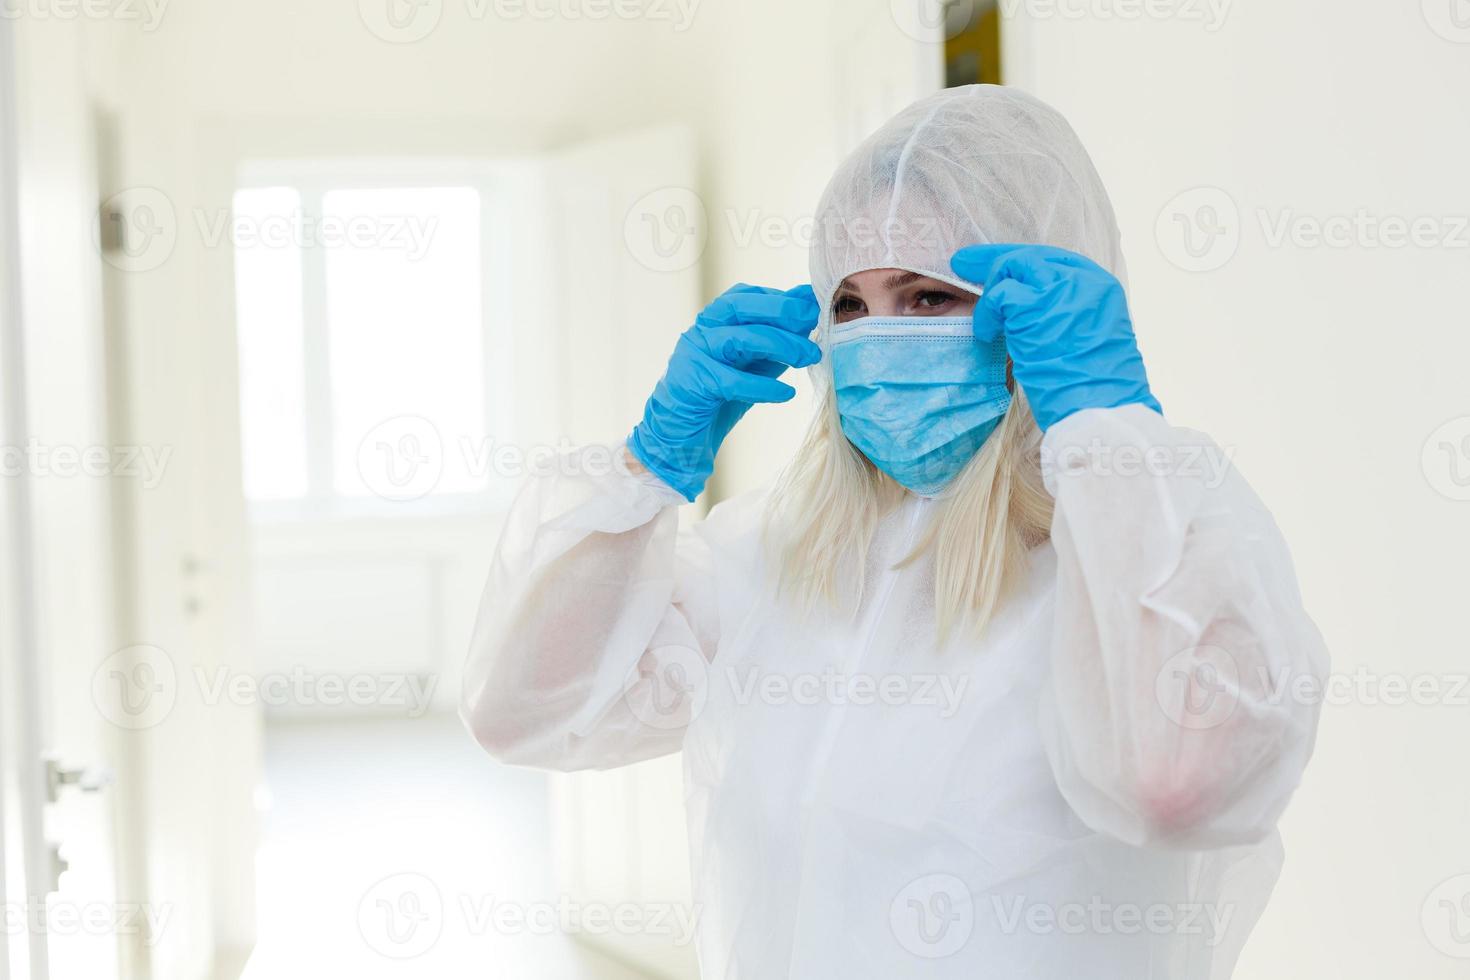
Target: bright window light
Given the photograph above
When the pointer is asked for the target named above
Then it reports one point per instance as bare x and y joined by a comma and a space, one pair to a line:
361, 337
268, 316
404, 327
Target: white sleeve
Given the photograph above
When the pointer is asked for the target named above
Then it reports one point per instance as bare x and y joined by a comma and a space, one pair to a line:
1186, 677
595, 606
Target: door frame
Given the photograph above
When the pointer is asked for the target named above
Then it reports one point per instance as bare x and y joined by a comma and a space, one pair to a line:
25, 853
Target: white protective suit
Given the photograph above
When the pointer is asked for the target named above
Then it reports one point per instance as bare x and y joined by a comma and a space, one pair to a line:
1090, 790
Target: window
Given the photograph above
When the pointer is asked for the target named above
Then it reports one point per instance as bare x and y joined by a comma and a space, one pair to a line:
271, 339
363, 337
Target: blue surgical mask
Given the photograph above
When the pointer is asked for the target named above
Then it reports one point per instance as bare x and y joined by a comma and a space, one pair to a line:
918, 395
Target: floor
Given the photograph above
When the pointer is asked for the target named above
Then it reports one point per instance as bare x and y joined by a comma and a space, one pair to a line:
397, 849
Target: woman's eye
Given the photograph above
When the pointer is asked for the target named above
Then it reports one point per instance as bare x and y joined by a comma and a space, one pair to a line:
934, 297
847, 304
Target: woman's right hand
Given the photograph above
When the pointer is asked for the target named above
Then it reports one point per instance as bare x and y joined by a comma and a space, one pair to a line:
726, 362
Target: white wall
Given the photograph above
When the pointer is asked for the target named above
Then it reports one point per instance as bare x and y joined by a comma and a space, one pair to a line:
1327, 369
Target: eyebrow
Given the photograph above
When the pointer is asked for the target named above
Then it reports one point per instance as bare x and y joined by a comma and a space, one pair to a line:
896, 281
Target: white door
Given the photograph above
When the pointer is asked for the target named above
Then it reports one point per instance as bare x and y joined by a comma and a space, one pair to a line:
22, 855
56, 595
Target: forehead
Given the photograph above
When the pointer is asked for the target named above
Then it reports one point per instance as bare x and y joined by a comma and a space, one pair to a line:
880, 279
875, 281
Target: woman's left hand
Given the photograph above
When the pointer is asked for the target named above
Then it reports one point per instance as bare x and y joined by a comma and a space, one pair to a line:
1066, 324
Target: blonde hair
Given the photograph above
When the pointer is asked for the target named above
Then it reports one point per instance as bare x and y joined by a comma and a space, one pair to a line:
827, 504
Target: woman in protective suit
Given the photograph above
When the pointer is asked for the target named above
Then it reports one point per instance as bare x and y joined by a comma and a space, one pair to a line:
997, 679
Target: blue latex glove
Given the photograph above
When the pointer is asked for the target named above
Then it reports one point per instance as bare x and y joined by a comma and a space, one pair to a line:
1066, 324
726, 362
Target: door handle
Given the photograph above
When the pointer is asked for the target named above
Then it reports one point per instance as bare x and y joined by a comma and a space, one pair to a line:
88, 780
